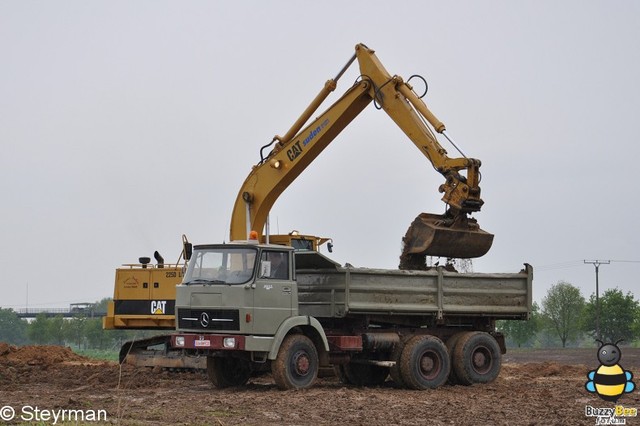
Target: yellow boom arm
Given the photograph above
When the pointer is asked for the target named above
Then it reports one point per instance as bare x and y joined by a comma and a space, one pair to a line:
293, 152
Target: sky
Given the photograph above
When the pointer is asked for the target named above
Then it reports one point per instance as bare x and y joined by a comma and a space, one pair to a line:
124, 125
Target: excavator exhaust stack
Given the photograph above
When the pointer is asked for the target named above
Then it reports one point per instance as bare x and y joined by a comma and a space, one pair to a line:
442, 236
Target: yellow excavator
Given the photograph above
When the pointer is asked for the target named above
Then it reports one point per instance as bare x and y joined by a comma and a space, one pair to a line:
453, 234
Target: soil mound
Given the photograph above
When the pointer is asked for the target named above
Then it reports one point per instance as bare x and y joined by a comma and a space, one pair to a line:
37, 355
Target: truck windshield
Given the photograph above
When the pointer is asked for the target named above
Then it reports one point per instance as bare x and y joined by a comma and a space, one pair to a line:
221, 266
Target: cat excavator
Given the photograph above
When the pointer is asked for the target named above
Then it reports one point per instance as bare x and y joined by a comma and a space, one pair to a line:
453, 234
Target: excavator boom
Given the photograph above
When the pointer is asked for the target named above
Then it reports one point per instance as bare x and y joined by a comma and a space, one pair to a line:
451, 235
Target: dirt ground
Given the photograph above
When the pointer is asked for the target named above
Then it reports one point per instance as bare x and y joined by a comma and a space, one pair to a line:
541, 387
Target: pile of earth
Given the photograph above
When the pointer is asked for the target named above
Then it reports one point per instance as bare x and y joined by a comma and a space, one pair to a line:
37, 355
60, 365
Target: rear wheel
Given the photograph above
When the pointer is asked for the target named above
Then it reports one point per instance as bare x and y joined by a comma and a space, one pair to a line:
476, 358
226, 372
424, 363
296, 366
451, 346
394, 371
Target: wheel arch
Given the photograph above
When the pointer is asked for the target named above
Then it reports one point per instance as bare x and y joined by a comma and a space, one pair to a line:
310, 327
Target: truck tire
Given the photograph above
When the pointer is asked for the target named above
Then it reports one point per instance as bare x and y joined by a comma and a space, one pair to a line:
365, 374
476, 358
451, 347
226, 372
394, 371
424, 363
296, 365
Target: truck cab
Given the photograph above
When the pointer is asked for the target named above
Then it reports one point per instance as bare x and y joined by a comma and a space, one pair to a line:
237, 288
237, 305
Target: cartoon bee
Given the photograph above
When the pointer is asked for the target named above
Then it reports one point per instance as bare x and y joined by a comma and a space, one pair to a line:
610, 380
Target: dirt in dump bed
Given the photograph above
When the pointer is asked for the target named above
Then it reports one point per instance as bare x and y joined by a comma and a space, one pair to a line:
542, 387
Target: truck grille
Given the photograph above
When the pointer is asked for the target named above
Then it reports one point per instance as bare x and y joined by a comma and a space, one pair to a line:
209, 319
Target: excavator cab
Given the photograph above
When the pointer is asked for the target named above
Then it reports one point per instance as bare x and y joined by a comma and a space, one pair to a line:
298, 241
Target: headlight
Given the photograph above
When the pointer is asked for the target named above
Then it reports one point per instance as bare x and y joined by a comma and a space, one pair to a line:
229, 342
180, 341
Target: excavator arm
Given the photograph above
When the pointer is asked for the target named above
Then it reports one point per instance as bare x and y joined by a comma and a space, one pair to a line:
453, 234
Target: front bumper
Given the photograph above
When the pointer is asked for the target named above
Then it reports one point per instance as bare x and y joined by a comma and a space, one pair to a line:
228, 342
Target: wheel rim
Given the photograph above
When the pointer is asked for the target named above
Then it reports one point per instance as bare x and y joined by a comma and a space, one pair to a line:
301, 363
481, 360
430, 365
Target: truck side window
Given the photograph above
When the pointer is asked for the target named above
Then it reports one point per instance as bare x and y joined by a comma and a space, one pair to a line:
275, 265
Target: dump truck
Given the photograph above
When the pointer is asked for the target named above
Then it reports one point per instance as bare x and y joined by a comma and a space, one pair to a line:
247, 307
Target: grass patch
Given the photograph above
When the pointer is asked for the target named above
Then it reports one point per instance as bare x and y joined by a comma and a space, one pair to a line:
99, 354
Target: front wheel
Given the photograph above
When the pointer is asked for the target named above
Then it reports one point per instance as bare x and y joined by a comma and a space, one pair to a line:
296, 366
226, 372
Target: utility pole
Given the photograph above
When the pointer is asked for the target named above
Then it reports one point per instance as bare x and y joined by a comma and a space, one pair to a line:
597, 264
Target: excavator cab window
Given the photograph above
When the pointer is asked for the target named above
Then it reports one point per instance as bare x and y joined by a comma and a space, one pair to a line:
301, 244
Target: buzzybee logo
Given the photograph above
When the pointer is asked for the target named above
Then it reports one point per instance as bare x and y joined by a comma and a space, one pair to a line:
609, 381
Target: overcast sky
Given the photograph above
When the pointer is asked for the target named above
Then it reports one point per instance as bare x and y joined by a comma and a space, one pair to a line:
124, 125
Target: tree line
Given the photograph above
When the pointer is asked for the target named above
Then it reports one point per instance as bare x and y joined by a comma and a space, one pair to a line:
566, 318
80, 332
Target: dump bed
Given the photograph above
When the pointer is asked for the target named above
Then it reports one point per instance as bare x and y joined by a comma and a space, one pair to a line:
328, 290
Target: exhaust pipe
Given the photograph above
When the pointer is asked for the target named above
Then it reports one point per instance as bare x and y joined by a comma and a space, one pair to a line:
158, 259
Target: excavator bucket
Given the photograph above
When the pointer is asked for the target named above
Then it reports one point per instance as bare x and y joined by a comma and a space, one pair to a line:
431, 235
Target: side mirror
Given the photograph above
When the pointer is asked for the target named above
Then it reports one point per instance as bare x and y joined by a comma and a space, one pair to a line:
187, 248
187, 251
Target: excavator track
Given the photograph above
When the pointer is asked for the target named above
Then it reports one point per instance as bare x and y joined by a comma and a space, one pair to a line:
442, 236
155, 352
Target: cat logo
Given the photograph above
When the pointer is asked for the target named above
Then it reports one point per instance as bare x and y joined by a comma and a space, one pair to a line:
158, 307
294, 151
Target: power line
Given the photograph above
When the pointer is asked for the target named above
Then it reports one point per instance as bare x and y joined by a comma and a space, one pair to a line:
574, 263
560, 265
